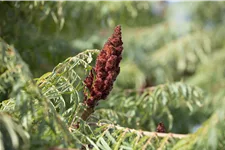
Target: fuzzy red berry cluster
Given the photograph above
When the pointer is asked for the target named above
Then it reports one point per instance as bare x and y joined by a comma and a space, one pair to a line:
161, 128
100, 80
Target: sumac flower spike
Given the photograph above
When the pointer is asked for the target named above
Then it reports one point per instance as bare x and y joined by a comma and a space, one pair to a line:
106, 70
161, 128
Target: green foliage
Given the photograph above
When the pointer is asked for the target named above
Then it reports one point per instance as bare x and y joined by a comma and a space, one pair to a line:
13, 135
150, 106
43, 25
167, 75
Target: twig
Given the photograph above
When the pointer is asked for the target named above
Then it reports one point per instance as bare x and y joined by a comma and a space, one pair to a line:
146, 133
87, 113
57, 148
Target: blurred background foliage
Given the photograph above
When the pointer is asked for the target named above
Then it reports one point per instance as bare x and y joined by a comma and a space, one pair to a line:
52, 26
164, 42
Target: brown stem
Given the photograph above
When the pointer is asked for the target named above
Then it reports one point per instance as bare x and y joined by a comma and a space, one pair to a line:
156, 134
57, 148
87, 112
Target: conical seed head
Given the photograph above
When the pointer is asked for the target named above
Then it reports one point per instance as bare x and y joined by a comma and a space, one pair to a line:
106, 69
